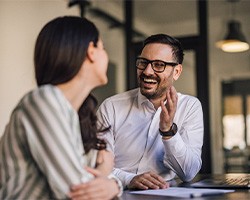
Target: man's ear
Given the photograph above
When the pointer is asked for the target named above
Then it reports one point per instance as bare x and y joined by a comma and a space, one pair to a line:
91, 52
177, 72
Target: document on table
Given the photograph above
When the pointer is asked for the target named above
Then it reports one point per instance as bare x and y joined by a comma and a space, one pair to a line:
183, 192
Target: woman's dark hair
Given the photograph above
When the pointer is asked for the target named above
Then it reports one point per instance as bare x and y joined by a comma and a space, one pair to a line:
88, 125
60, 50
177, 48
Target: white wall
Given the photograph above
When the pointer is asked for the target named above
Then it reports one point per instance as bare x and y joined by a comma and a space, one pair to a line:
20, 23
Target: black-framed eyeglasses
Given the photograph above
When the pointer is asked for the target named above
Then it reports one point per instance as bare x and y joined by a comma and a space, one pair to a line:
157, 65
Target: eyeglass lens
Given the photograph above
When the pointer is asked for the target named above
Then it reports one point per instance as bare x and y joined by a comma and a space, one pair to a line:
157, 65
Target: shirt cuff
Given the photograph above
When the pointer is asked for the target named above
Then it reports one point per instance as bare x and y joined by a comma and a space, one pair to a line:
174, 145
119, 183
124, 177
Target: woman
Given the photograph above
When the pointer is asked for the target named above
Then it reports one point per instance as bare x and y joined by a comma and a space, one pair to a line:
48, 146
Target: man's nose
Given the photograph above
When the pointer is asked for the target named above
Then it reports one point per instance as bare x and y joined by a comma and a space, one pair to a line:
148, 69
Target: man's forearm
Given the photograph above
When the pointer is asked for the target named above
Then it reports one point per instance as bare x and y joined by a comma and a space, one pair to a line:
124, 177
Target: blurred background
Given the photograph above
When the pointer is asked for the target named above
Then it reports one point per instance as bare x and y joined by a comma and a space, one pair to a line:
221, 80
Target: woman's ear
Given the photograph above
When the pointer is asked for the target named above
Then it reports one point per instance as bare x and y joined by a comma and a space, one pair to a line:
91, 52
177, 72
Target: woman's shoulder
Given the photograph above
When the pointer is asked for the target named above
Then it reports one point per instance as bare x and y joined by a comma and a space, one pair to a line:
39, 97
34, 95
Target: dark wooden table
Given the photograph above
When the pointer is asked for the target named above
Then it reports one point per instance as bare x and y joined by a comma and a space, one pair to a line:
239, 194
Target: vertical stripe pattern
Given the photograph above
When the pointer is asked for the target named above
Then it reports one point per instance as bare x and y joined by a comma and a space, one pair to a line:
41, 153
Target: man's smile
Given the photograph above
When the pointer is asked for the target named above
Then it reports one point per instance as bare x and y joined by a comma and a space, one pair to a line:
149, 80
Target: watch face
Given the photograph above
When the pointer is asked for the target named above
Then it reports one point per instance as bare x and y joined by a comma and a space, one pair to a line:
171, 132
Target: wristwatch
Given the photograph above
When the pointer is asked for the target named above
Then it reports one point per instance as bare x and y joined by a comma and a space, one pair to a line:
172, 131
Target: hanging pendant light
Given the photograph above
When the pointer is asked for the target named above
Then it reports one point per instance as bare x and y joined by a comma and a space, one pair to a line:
234, 40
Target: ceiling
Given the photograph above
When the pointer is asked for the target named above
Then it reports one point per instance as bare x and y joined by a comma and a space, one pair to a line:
179, 10
157, 14
169, 11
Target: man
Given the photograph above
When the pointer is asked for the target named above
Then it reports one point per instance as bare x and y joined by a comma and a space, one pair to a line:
156, 133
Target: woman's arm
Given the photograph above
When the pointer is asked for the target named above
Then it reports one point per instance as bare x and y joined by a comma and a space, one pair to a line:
53, 136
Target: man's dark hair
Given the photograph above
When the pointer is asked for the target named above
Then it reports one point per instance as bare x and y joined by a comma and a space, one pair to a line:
177, 48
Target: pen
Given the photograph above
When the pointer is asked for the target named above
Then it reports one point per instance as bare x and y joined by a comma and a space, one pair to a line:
194, 195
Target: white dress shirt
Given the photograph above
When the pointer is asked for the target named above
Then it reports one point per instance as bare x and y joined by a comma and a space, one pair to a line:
135, 140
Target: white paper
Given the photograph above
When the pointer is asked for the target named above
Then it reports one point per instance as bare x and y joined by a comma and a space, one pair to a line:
183, 192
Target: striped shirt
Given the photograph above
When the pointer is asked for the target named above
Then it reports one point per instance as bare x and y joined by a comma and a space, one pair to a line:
41, 152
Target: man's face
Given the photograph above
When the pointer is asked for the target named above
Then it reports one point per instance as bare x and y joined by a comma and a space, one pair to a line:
154, 85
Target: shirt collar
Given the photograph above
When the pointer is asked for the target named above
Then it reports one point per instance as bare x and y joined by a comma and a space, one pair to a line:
143, 100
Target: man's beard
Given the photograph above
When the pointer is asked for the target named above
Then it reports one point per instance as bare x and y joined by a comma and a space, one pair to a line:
157, 93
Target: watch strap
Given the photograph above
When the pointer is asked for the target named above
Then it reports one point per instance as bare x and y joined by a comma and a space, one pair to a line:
172, 131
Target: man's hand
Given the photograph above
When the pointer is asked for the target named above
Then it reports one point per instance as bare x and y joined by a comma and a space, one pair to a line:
148, 180
168, 110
